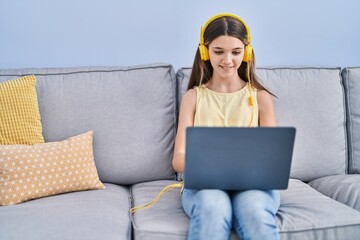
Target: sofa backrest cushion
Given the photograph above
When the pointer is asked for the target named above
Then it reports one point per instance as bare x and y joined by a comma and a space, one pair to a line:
131, 110
351, 78
312, 100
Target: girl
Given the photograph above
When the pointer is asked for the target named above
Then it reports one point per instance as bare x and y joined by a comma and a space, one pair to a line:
224, 91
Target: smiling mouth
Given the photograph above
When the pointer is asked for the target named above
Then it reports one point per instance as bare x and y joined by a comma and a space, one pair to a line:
226, 68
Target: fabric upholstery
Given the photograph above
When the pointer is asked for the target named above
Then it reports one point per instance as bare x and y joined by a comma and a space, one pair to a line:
304, 214
351, 79
19, 112
342, 188
165, 220
307, 214
86, 215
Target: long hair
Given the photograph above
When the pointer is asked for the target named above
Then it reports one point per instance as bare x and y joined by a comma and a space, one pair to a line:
224, 26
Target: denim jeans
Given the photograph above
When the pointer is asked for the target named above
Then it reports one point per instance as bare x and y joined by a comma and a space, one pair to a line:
213, 213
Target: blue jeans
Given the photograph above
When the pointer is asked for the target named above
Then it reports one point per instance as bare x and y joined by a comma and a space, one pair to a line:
213, 213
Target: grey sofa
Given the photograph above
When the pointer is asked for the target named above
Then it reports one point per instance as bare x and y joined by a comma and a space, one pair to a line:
133, 113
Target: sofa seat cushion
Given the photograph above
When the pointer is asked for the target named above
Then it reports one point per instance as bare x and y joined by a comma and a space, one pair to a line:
304, 214
308, 214
165, 220
79, 215
343, 188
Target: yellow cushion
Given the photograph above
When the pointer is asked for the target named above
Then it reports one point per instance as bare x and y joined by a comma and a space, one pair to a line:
19, 112
44, 169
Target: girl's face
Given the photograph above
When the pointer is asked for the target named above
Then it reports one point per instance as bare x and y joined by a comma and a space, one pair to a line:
226, 54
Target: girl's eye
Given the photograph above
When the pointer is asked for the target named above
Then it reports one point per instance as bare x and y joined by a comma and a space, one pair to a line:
218, 52
236, 53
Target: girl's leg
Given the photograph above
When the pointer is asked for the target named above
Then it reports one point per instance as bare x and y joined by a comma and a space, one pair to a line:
210, 213
254, 214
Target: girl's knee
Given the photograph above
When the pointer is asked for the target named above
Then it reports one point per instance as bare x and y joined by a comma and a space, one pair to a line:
256, 202
215, 202
255, 212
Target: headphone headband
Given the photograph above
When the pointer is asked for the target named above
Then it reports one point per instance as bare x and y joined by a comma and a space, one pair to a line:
204, 53
220, 15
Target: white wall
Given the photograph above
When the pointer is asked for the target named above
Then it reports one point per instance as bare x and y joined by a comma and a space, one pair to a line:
62, 33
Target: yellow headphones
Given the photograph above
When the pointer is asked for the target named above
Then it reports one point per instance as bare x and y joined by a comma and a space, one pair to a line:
204, 52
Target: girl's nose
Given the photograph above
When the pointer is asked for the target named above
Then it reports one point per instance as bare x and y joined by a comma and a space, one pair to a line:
227, 59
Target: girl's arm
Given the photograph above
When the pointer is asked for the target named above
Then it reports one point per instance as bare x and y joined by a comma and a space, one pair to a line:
267, 116
186, 119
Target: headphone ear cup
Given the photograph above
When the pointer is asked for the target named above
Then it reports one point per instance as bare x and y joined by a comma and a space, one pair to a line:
247, 53
204, 53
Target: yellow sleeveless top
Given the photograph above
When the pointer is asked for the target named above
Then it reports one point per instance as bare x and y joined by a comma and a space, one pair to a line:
215, 109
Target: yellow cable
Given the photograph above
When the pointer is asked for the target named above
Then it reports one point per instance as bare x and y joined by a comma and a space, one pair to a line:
252, 116
162, 192
251, 99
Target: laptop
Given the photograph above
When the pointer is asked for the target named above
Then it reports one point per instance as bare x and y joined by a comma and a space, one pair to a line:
238, 158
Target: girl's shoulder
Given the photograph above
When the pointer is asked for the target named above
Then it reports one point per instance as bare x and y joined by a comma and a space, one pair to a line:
264, 98
188, 102
190, 94
263, 95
